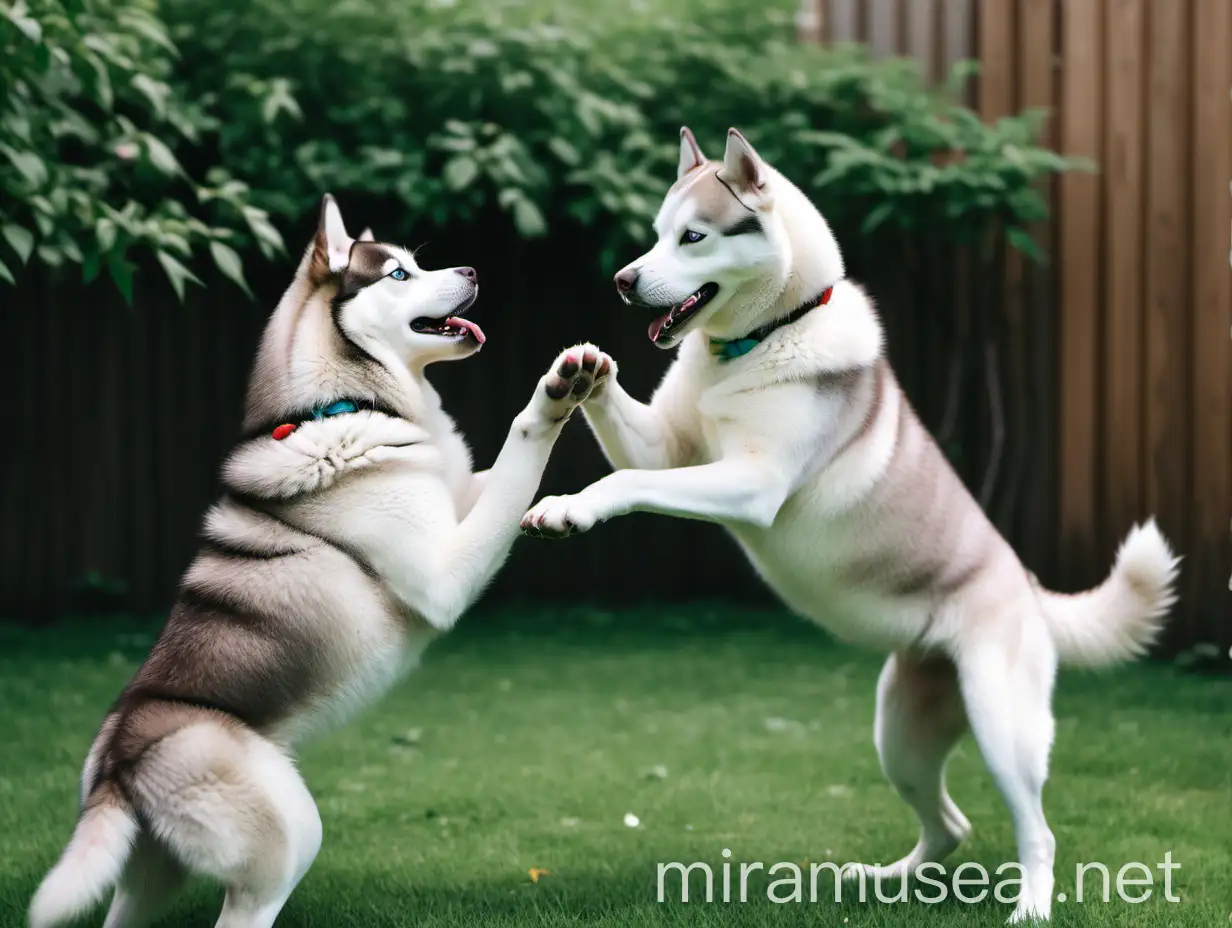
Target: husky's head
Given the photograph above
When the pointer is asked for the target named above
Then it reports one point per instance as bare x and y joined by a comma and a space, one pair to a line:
385, 304
361, 319
736, 242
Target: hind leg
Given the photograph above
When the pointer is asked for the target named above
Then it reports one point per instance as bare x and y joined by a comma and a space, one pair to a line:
231, 806
919, 718
1007, 689
150, 882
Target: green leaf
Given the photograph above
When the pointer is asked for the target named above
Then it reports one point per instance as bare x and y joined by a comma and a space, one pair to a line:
1021, 239
279, 100
460, 172
28, 164
149, 27
90, 266
28, 25
155, 91
268, 238
20, 240
564, 150
122, 273
528, 219
177, 273
102, 84
160, 156
876, 216
105, 231
230, 264
6, 274
70, 249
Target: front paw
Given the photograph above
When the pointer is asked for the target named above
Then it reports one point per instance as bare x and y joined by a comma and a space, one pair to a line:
575, 376
558, 517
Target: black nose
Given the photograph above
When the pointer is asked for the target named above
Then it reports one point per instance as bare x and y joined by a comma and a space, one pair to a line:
469, 273
626, 280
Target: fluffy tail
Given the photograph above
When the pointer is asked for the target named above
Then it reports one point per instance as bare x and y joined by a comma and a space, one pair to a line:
1119, 619
92, 862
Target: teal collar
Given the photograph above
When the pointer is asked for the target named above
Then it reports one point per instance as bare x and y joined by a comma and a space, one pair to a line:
336, 408
327, 411
729, 349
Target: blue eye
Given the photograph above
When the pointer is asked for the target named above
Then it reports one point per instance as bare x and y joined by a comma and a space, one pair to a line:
399, 274
691, 238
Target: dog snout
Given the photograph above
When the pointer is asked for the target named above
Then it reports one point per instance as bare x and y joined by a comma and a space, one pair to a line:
469, 273
626, 280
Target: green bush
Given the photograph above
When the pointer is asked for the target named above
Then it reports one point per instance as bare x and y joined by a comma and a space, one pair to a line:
92, 125
552, 114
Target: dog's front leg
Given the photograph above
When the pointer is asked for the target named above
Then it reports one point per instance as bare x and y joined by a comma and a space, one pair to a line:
470, 556
633, 434
743, 490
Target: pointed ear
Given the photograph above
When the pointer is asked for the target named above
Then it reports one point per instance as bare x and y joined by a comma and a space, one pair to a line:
366, 235
331, 249
743, 168
690, 153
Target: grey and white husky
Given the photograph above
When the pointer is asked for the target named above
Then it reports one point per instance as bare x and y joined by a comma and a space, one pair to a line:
781, 420
352, 533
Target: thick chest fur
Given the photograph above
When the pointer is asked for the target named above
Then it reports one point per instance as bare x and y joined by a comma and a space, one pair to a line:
877, 532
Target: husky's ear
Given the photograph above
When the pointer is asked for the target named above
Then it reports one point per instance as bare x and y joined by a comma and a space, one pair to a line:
743, 168
366, 235
331, 249
690, 153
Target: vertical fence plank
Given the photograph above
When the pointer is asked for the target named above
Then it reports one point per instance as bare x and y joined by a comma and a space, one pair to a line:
883, 27
1037, 495
842, 20
811, 21
1124, 130
1210, 553
957, 33
996, 44
919, 20
1167, 268
1079, 230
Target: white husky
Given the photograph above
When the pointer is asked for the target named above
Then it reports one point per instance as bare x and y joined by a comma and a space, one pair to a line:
352, 532
782, 421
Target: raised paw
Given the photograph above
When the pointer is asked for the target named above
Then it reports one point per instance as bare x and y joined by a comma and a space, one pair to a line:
577, 374
558, 517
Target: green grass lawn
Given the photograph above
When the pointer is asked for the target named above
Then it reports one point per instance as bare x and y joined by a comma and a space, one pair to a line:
525, 739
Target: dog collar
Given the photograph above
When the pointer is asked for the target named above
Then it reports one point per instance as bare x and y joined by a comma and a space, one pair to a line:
336, 408
727, 349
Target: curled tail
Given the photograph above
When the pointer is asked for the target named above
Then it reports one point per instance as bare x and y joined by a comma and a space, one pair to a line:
92, 862
1119, 619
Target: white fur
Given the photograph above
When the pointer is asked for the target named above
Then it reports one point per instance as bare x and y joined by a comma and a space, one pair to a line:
374, 535
1118, 620
91, 865
338, 243
837, 494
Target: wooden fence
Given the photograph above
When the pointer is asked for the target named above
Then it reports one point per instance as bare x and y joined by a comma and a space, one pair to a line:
1121, 345
1137, 300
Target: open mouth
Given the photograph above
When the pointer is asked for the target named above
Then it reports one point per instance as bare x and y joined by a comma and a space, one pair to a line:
665, 326
452, 327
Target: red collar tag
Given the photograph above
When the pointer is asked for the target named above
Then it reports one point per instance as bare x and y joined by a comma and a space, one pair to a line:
284, 430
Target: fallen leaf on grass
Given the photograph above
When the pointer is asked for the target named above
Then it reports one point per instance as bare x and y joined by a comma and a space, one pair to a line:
536, 872
410, 738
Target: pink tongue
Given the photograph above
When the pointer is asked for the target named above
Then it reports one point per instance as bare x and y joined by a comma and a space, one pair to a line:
657, 326
458, 322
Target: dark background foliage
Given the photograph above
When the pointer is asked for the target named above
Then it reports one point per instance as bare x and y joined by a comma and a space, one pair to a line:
146, 149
